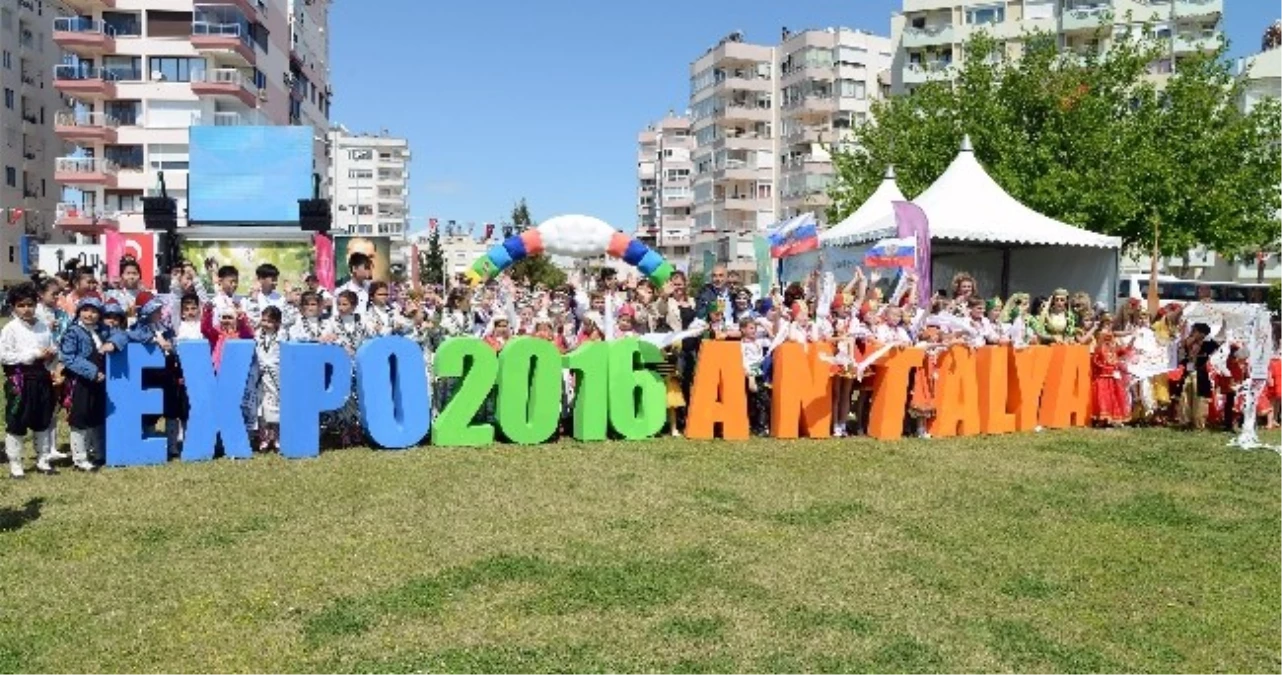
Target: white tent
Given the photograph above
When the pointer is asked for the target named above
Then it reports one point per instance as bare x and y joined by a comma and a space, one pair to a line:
879, 205
978, 228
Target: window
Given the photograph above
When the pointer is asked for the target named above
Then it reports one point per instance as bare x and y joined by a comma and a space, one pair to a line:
8, 60
260, 80
6, 18
986, 14
363, 209
176, 69
361, 154
10, 176
122, 24
42, 188
8, 98
124, 67
168, 156
367, 174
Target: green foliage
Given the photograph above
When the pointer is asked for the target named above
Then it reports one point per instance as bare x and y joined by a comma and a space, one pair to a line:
431, 263
537, 269
1090, 140
1275, 297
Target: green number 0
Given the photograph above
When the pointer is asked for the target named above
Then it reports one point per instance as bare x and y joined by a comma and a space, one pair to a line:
638, 397
529, 398
475, 362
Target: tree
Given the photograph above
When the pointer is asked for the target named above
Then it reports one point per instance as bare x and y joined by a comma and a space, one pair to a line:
535, 269
431, 263
1089, 140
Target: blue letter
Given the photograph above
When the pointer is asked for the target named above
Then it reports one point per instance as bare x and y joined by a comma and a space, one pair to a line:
127, 402
391, 386
216, 398
307, 390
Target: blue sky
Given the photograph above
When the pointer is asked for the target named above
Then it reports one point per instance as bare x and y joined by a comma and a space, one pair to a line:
543, 99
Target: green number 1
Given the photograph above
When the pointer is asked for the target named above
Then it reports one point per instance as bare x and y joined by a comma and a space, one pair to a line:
590, 365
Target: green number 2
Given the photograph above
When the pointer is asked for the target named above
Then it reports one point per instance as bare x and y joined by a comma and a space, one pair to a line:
478, 366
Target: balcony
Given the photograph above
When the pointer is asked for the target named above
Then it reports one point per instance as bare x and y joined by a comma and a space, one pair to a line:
223, 31
813, 105
929, 36
79, 219
85, 171
83, 36
745, 203
226, 83
1199, 8
749, 112
232, 119
736, 169
84, 81
86, 128
89, 6
919, 73
1197, 42
1086, 18
810, 135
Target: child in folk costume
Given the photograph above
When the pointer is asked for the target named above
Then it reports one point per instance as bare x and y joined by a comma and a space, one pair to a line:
754, 348
669, 369
844, 330
150, 329
231, 324
52, 315
1110, 405
26, 349
267, 358
624, 322
921, 404
348, 332
381, 318
83, 352
310, 326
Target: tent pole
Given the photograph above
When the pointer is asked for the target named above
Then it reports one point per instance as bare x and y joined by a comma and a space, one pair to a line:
1005, 284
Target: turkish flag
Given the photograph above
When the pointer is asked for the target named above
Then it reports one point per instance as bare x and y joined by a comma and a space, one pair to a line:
14, 216
141, 246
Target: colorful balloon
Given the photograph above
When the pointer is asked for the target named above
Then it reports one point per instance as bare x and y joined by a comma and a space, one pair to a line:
575, 236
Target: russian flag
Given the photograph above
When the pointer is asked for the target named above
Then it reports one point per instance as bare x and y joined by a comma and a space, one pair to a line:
892, 253
793, 236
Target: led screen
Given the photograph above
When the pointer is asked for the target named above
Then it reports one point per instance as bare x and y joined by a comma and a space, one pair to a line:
248, 174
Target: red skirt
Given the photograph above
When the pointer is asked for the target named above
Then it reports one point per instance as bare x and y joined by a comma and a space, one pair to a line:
1109, 402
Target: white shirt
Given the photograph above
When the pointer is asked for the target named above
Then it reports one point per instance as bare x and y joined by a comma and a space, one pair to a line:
222, 301
307, 330
361, 291
189, 330
24, 343
258, 301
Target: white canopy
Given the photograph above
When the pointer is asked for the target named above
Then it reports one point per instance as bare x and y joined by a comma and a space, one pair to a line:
966, 204
879, 205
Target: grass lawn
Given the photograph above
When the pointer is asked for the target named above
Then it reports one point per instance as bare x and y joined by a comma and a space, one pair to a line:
1073, 551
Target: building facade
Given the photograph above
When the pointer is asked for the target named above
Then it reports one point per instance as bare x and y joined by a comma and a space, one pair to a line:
929, 34
137, 74
665, 196
28, 195
369, 184
763, 118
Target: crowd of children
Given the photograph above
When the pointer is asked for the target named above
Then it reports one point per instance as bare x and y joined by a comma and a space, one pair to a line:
1145, 369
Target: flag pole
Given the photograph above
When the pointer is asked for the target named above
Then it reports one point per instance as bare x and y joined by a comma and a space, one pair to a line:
1153, 302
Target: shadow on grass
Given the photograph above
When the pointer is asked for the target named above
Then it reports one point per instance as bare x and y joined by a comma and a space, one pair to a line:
1020, 645
12, 519
561, 589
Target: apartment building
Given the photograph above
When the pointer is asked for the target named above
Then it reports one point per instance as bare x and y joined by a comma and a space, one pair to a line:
369, 184
928, 34
28, 195
762, 118
665, 196
137, 74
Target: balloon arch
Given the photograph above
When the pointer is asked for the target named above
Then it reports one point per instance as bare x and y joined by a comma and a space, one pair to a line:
575, 236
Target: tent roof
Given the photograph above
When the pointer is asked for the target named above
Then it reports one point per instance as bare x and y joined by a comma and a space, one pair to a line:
877, 206
966, 204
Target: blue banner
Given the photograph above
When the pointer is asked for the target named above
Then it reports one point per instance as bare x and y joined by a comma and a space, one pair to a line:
28, 253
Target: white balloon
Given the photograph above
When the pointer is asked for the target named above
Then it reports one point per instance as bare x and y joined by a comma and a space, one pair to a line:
575, 235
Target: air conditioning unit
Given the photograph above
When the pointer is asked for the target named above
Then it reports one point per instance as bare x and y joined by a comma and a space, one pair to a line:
262, 94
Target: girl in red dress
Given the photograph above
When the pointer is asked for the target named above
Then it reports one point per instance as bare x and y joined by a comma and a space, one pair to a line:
1109, 403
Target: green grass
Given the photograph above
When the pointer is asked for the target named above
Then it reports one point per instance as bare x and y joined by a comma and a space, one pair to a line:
1078, 551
